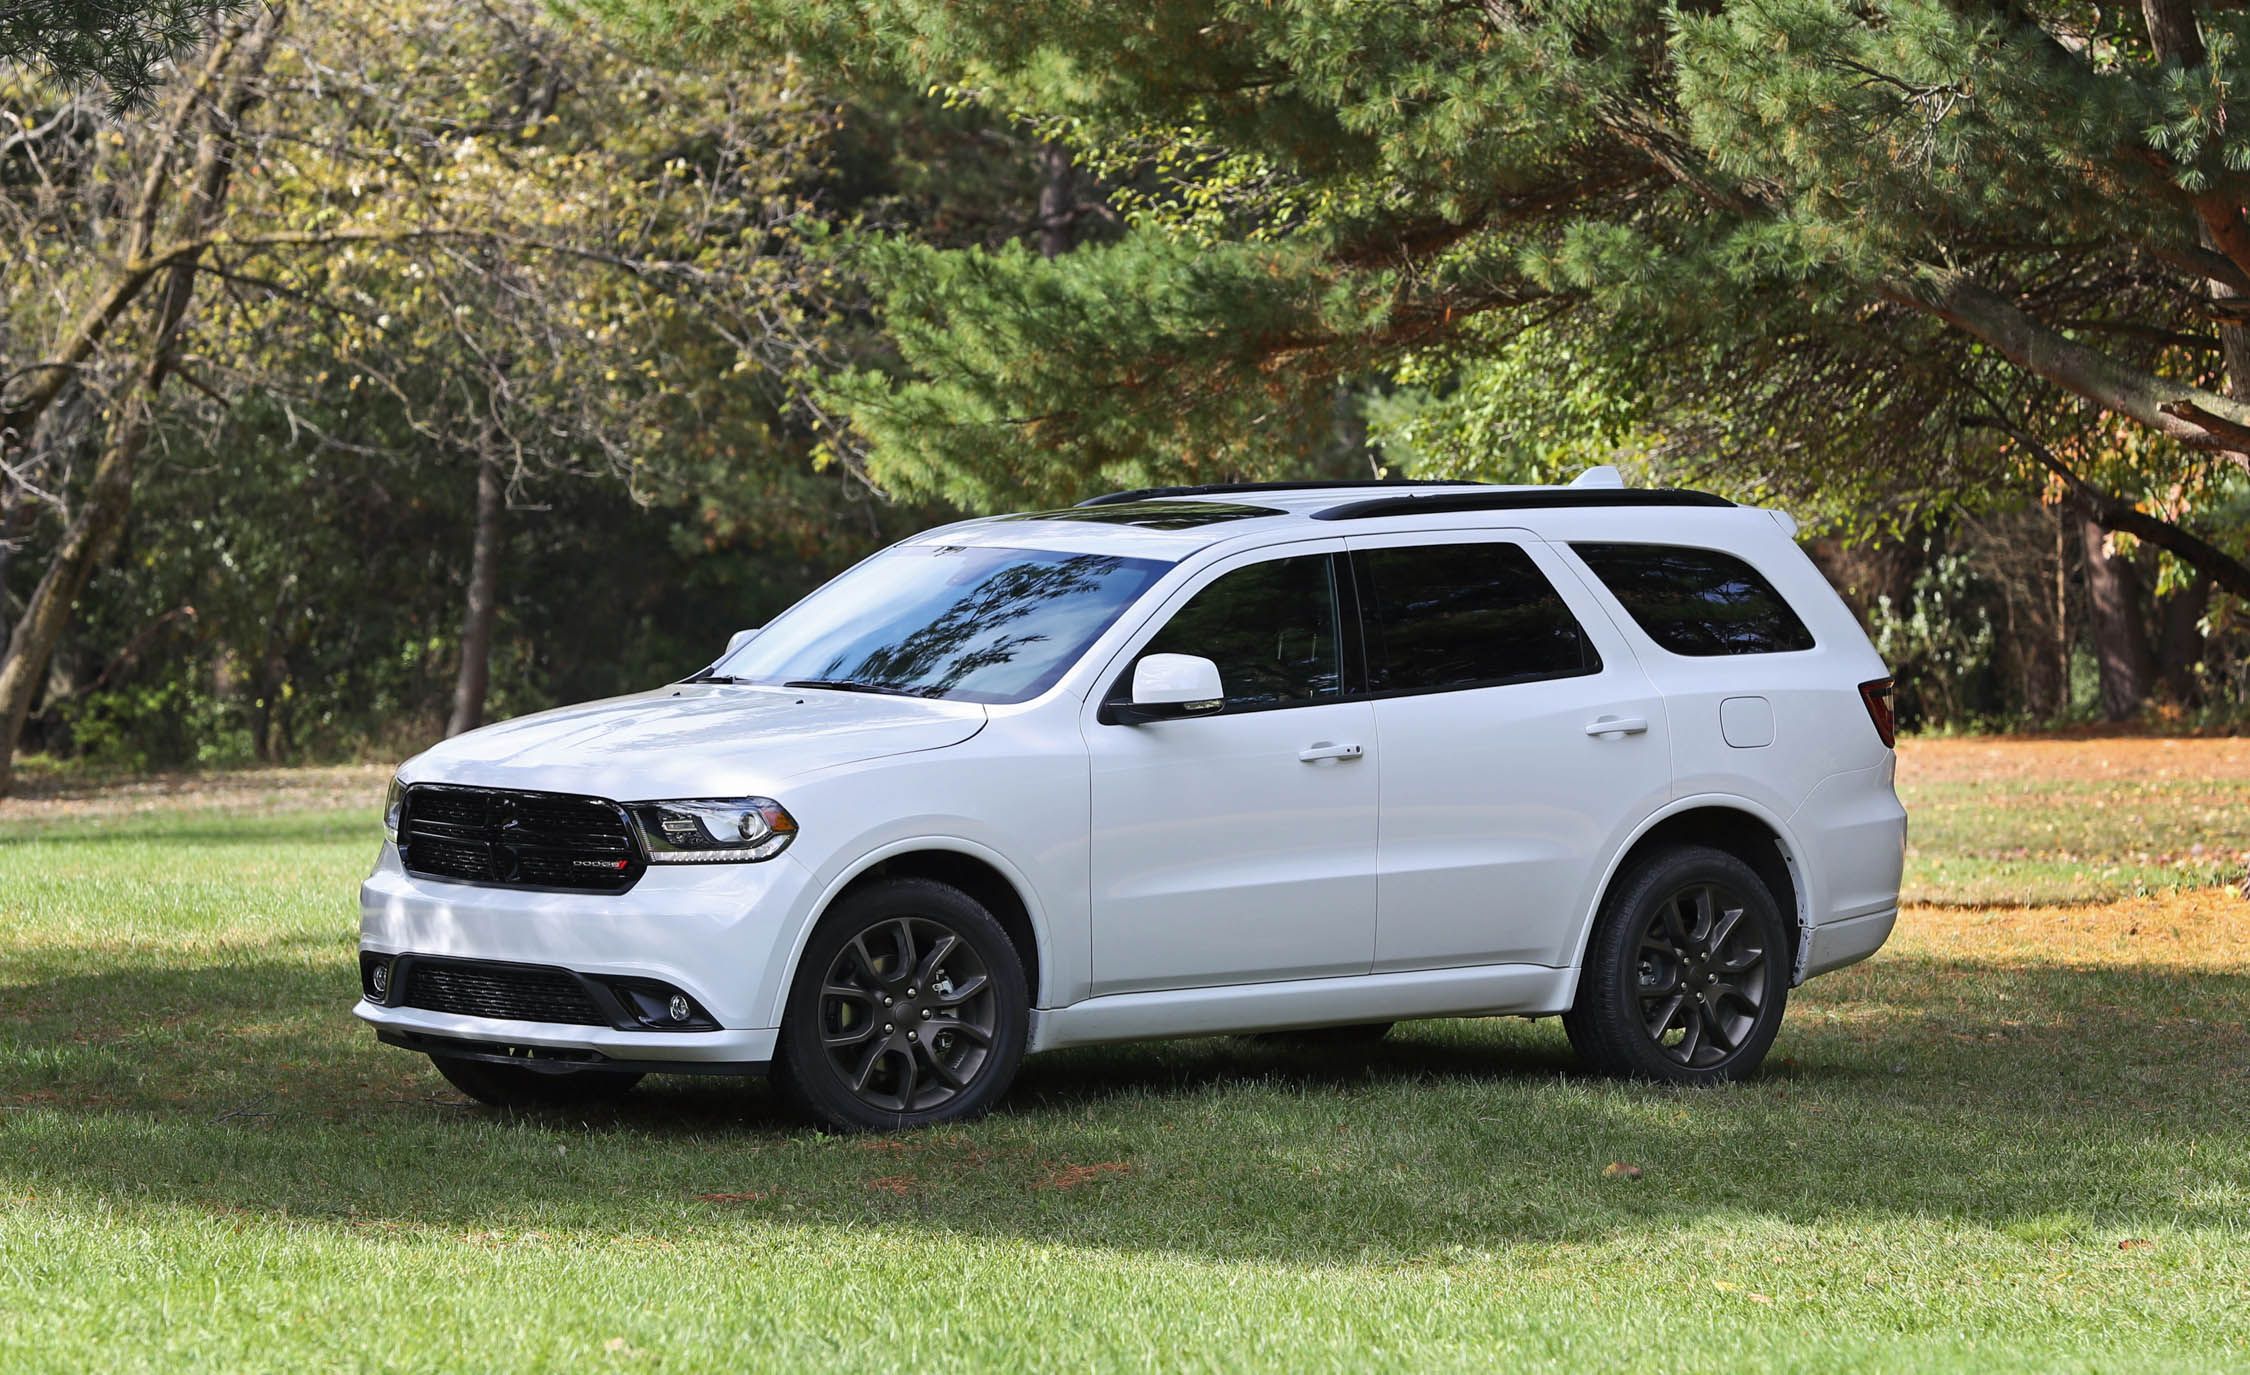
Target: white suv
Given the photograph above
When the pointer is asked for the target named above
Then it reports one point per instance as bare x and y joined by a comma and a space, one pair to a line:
1276, 757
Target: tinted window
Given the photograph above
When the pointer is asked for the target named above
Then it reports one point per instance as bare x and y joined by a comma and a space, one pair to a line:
1464, 615
1697, 601
1271, 629
977, 624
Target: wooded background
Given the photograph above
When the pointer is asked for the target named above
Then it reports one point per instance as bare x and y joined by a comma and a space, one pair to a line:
371, 370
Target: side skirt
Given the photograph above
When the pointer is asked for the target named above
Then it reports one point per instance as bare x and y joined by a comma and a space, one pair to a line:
1475, 991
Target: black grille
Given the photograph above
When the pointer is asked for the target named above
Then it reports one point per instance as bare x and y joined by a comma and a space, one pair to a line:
518, 839
514, 992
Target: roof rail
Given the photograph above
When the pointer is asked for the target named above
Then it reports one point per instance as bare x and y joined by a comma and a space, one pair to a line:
1535, 498
1230, 488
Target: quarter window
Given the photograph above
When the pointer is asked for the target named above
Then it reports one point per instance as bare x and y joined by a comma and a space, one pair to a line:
1697, 601
1272, 630
1464, 615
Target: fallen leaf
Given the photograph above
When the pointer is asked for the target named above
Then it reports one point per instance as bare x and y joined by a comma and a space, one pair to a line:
1618, 1169
2136, 1244
753, 1197
900, 1184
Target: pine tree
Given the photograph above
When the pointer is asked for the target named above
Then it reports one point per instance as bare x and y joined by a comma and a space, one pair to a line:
1848, 233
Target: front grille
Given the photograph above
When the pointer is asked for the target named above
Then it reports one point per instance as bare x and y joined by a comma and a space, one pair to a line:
518, 839
515, 993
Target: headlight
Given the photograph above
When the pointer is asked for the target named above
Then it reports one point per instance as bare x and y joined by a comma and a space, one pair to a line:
392, 802
714, 830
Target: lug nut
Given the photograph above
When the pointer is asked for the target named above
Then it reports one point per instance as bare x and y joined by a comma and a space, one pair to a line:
925, 1014
910, 993
886, 1000
888, 1028
911, 1036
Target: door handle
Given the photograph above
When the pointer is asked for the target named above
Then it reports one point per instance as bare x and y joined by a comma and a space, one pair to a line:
1617, 725
1313, 754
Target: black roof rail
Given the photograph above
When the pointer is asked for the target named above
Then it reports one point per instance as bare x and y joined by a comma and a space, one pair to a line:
1537, 498
1210, 489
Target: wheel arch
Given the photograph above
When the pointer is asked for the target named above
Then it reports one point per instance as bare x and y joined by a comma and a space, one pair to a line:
1736, 825
975, 869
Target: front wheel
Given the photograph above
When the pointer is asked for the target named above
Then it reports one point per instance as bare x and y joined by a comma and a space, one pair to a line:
512, 1086
909, 1008
1687, 973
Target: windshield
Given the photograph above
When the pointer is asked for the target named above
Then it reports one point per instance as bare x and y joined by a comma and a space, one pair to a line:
969, 623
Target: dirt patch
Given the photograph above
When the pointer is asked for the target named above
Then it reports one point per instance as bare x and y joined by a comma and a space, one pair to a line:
76, 797
1065, 1177
2205, 929
2054, 760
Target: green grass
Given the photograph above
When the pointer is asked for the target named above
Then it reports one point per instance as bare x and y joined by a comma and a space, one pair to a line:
2032, 841
2014, 1141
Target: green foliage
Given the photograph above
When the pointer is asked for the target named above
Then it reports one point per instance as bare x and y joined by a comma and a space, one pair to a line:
1939, 644
120, 46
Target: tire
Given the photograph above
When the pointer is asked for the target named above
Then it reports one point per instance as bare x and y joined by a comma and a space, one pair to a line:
909, 1008
1338, 1037
1687, 975
511, 1086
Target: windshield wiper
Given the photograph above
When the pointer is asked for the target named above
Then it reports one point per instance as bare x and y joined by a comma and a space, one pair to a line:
847, 685
713, 678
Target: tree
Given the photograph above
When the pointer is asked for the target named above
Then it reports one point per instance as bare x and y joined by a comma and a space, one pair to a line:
501, 246
124, 47
1903, 210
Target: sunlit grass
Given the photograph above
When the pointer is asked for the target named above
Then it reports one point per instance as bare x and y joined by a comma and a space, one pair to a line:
2017, 1139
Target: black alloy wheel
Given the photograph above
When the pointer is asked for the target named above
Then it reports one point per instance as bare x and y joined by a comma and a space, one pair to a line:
909, 1008
1687, 974
1697, 975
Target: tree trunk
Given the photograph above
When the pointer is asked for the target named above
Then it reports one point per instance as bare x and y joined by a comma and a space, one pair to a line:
484, 587
2179, 644
1058, 202
101, 516
2113, 592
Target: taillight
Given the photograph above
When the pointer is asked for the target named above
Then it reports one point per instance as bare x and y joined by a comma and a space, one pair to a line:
1877, 695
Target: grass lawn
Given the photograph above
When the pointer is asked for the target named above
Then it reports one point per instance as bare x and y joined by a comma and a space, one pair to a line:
2017, 1139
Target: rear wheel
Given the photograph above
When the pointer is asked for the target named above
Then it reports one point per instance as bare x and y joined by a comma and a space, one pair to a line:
1687, 975
909, 1008
512, 1086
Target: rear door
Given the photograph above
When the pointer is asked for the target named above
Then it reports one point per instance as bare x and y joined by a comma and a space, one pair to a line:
1521, 743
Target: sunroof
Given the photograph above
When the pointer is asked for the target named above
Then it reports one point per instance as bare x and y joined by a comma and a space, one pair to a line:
1156, 515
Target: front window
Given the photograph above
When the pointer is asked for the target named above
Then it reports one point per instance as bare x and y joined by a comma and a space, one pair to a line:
968, 623
1272, 630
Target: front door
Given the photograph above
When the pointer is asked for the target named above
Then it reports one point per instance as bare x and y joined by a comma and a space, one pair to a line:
1239, 847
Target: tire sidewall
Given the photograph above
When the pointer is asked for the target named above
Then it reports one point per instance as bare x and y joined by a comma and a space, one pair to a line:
801, 1067
1607, 1024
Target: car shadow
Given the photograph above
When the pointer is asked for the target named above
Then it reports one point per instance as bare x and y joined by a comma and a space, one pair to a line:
1911, 1088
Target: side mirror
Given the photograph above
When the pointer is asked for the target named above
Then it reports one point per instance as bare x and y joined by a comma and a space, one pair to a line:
741, 638
1169, 686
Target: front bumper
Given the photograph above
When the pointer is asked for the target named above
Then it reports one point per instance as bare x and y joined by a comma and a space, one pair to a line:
716, 932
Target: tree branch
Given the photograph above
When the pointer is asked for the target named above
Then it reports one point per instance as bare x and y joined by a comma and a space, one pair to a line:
2113, 512
2195, 417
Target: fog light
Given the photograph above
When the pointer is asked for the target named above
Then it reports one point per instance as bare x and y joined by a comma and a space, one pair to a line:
379, 982
680, 1008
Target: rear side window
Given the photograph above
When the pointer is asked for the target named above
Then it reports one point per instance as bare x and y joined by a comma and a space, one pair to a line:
1464, 615
1697, 601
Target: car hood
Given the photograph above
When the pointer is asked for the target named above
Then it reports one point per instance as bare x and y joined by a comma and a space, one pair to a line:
693, 740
